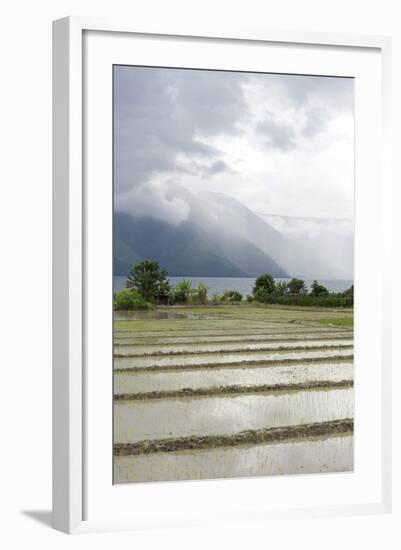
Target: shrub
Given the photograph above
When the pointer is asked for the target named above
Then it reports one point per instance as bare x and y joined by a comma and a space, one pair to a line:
280, 288
129, 299
182, 291
231, 296
331, 300
199, 295
263, 295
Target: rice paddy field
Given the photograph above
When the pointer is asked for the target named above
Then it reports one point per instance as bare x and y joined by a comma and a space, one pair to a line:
232, 391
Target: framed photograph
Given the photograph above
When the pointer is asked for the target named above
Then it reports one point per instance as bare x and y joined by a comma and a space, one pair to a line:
221, 334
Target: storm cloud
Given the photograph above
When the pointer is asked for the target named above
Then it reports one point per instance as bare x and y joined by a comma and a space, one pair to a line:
281, 144
162, 115
279, 135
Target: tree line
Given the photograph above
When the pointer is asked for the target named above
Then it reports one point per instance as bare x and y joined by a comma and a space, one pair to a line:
295, 292
148, 285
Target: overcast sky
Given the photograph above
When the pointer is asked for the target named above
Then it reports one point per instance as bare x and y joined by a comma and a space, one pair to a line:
280, 144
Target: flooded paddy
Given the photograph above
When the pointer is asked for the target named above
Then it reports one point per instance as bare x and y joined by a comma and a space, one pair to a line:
333, 454
221, 359
221, 334
186, 325
190, 349
136, 421
129, 340
236, 378
146, 382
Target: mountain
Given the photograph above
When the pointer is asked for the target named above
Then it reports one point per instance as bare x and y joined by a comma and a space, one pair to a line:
223, 238
326, 243
187, 249
303, 248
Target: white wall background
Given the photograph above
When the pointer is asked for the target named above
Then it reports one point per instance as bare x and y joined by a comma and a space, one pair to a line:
25, 217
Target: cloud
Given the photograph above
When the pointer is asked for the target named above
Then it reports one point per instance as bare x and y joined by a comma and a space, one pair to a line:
217, 167
316, 121
155, 200
161, 117
280, 143
335, 93
289, 108
276, 134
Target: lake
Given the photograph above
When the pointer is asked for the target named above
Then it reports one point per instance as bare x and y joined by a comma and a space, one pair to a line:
217, 285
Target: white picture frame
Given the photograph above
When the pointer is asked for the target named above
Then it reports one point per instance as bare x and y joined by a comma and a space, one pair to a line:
70, 338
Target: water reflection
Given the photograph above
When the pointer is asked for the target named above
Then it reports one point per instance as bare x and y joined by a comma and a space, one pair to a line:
136, 421
232, 358
334, 454
158, 314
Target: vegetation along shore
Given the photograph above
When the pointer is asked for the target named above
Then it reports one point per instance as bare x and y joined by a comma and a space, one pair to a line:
148, 286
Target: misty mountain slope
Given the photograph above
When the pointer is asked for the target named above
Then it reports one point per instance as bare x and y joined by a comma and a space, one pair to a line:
230, 214
187, 249
223, 238
225, 219
299, 254
244, 254
327, 245
124, 257
179, 249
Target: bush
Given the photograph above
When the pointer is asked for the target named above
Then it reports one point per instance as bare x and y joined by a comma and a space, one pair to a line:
263, 295
231, 296
280, 288
182, 291
331, 300
129, 299
199, 295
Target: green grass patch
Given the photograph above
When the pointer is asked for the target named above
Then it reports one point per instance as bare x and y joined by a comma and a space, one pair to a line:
339, 322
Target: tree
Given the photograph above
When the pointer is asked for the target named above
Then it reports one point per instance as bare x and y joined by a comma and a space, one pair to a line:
349, 293
264, 283
164, 289
264, 287
281, 288
148, 279
318, 290
296, 286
